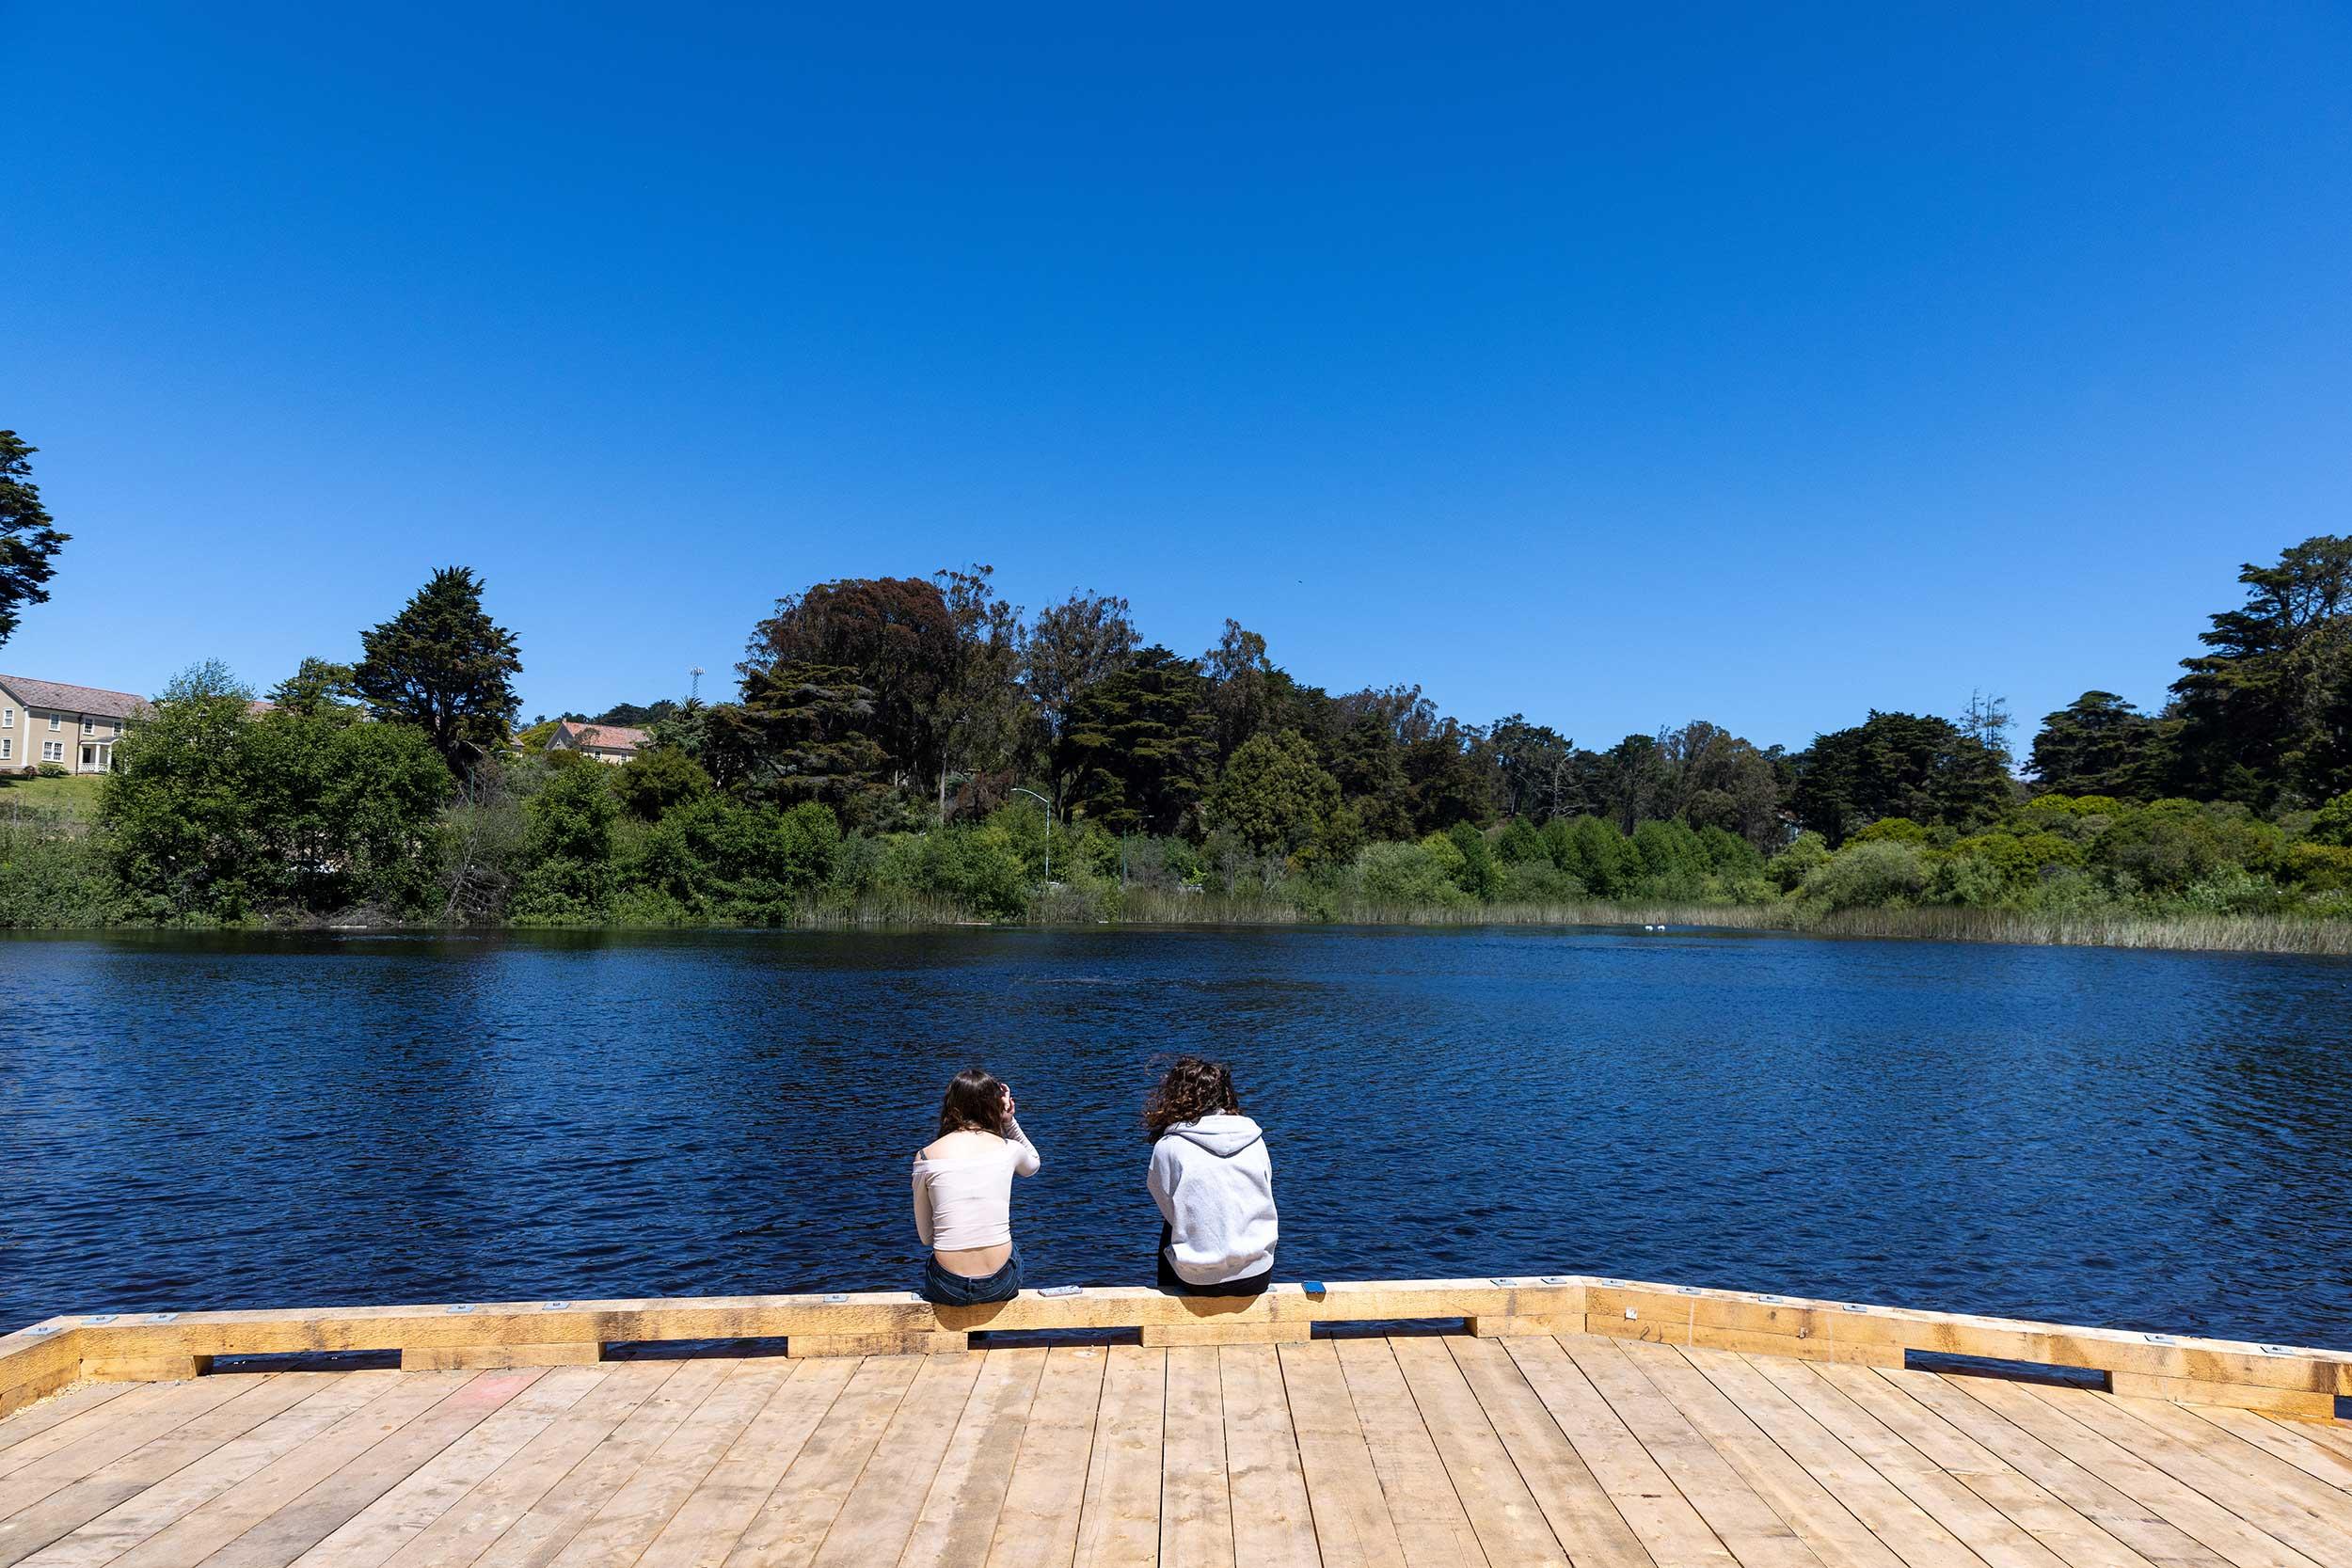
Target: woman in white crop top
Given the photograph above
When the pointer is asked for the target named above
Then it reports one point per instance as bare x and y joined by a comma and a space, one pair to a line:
963, 1193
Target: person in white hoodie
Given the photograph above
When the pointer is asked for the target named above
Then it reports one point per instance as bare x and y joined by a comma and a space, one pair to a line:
1214, 1182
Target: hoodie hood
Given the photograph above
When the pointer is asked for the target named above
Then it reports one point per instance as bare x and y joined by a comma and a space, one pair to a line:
1221, 1135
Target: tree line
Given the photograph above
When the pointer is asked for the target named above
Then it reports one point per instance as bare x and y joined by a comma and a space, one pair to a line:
919, 745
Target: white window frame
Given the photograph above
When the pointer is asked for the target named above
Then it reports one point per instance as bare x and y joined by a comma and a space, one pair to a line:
89, 725
7, 718
7, 746
56, 722
53, 751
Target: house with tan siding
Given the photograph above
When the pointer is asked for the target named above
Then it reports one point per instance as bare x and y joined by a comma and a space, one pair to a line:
611, 743
75, 727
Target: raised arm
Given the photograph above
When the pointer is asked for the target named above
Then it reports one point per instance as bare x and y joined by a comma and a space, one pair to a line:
1025, 1159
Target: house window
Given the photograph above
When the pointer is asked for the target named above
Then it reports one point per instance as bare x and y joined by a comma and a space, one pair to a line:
53, 751
8, 748
55, 723
89, 725
7, 718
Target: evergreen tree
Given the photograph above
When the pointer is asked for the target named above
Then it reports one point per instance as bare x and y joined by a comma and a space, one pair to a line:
2099, 744
806, 730
443, 665
1139, 745
2268, 714
29, 539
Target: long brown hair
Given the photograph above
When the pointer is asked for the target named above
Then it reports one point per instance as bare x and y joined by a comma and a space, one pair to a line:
975, 1102
1193, 1087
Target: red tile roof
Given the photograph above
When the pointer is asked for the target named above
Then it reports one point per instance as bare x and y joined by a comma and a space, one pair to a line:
92, 700
607, 738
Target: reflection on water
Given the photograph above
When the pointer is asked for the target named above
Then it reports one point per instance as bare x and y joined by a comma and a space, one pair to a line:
2151, 1140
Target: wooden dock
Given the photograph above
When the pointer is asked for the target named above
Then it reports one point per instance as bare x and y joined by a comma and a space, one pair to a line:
1288, 1430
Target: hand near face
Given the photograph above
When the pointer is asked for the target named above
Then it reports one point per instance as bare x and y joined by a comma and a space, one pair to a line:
1011, 1105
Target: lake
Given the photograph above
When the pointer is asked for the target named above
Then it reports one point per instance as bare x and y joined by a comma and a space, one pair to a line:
2151, 1140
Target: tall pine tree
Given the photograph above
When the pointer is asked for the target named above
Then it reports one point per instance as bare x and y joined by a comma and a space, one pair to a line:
443, 665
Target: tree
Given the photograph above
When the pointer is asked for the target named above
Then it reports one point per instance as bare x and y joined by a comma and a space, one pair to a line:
1273, 795
174, 816
1241, 686
2098, 744
894, 638
1073, 647
636, 716
2266, 716
1536, 777
982, 717
443, 665
29, 540
657, 778
807, 732
317, 690
1139, 746
1898, 765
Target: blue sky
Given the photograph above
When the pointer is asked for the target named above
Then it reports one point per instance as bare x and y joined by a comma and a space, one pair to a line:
1764, 365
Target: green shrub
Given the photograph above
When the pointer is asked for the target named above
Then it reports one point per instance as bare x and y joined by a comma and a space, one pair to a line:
1807, 853
1406, 874
1882, 875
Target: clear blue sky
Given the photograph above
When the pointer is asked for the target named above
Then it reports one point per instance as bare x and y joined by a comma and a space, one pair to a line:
1764, 365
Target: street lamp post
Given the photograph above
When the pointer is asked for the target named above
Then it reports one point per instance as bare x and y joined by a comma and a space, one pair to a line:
1049, 833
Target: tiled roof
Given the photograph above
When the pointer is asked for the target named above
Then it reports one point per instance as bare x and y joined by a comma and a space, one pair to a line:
92, 700
609, 738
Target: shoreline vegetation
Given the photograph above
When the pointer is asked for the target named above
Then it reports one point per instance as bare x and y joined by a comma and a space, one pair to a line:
917, 752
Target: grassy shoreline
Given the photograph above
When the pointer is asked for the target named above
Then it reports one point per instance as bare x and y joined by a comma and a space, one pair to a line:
1147, 909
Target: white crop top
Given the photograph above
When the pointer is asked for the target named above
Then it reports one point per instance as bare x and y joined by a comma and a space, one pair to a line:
968, 1202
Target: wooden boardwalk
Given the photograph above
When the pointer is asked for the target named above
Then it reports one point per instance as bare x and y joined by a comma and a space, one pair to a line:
1602, 1452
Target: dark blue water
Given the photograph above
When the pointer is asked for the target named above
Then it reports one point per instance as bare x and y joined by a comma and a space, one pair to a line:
2148, 1140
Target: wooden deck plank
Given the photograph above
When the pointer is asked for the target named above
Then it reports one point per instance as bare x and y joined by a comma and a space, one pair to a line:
174, 1406
2254, 1464
1195, 1498
333, 1397
1749, 1530
1992, 1534
1660, 1517
1119, 1521
792, 1525
34, 1419
878, 1517
1274, 1524
959, 1515
626, 1525
1892, 1515
476, 1522
1510, 1524
221, 1518
2289, 1440
1351, 1516
1038, 1522
385, 1525
77, 1421
1421, 1451
2275, 1497
1431, 1527
708, 1525
2120, 1516
1837, 1530
546, 1525
318, 1512
2072, 1537
69, 1508
2226, 1534
1583, 1518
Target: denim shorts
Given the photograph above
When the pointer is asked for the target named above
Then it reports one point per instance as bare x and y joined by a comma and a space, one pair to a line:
941, 1289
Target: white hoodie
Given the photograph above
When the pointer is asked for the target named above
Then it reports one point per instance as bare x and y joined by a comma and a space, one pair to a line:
1214, 1186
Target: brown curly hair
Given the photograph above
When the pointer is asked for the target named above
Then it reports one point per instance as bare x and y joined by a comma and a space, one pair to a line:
975, 1102
1193, 1087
